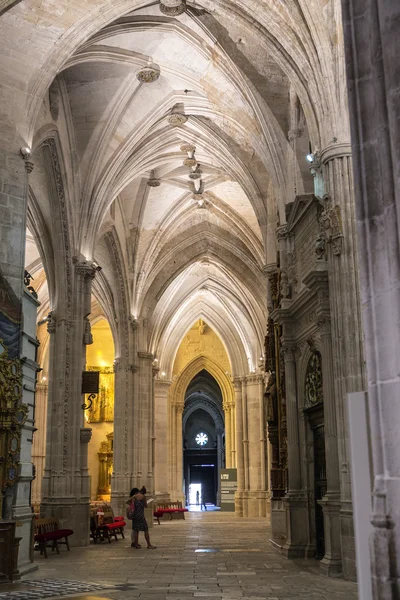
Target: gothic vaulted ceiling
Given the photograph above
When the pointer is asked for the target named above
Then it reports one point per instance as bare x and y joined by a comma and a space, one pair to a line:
171, 142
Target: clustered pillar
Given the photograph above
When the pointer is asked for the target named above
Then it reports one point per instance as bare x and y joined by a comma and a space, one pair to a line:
66, 483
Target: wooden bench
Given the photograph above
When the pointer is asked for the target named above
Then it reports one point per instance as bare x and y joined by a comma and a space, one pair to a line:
105, 525
48, 531
174, 510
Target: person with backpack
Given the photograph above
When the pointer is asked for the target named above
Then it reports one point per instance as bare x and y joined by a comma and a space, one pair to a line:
135, 512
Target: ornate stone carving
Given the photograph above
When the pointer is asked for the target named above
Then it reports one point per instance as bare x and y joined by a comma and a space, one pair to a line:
190, 162
176, 119
51, 323
87, 336
85, 269
153, 181
124, 332
50, 143
313, 392
54, 99
173, 8
13, 415
196, 173
86, 435
320, 247
271, 395
331, 222
284, 285
148, 73
189, 148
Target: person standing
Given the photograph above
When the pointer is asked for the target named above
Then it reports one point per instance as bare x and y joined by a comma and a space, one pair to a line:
138, 502
197, 498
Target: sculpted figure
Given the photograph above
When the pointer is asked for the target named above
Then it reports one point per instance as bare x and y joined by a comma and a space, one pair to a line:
272, 397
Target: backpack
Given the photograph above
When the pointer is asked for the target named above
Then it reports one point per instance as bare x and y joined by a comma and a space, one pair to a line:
130, 511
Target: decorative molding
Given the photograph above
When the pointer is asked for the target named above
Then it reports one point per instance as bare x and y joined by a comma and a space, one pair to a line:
148, 73
177, 119
190, 162
50, 143
331, 223
86, 435
153, 181
187, 147
172, 8
54, 99
313, 393
146, 355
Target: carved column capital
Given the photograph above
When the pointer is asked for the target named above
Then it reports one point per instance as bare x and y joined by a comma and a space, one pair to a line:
335, 151
51, 323
172, 8
294, 133
85, 268
289, 351
86, 435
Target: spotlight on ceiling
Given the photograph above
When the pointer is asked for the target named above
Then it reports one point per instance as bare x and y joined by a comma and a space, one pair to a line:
310, 158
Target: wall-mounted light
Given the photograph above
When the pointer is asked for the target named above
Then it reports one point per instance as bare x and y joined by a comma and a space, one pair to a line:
25, 152
44, 379
310, 158
163, 374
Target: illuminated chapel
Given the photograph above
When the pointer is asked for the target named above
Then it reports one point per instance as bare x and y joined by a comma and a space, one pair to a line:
199, 269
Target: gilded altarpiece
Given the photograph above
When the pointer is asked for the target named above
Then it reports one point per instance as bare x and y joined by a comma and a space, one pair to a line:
102, 409
106, 455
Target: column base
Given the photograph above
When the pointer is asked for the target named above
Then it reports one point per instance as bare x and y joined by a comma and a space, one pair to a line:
331, 564
73, 516
252, 503
239, 503
348, 542
298, 544
278, 521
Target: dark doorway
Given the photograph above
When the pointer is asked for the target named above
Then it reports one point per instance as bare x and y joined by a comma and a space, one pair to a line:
203, 439
316, 416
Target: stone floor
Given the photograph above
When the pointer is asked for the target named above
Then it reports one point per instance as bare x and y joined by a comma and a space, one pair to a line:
209, 555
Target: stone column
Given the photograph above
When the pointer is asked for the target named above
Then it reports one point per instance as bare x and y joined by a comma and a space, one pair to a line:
219, 463
372, 37
145, 400
66, 488
228, 436
13, 202
338, 220
239, 447
176, 450
257, 496
161, 388
245, 441
296, 501
331, 564
123, 445
39, 441
233, 436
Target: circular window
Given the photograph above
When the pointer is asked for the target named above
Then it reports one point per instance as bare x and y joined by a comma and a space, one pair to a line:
201, 439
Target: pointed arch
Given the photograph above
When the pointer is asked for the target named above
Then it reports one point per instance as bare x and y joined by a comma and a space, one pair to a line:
200, 363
